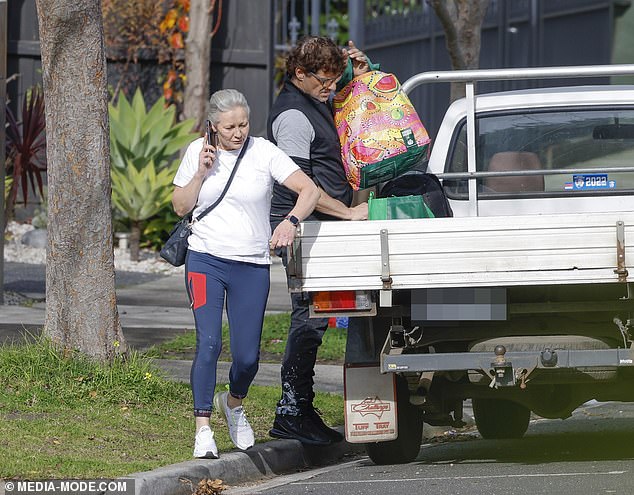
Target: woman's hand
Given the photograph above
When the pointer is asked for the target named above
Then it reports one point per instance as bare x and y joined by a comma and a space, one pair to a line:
184, 198
283, 235
206, 158
307, 197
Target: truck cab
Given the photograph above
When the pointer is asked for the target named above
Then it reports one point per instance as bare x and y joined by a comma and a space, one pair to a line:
571, 139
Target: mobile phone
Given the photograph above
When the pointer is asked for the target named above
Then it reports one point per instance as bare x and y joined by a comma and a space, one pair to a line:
210, 134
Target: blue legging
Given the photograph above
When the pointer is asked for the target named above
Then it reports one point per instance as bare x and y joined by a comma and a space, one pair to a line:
246, 286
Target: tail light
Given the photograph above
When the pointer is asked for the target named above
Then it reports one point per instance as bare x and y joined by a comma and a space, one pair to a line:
342, 303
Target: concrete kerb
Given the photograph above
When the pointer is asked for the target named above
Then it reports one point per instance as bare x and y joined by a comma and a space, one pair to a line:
263, 461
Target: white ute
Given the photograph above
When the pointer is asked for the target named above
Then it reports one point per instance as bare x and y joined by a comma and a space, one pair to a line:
521, 302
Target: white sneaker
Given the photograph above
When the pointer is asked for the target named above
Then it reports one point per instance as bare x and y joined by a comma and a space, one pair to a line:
239, 428
205, 445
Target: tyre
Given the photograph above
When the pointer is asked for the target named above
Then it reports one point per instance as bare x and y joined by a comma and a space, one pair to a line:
410, 433
497, 418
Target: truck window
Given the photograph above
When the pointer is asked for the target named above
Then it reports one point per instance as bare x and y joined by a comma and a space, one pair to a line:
589, 140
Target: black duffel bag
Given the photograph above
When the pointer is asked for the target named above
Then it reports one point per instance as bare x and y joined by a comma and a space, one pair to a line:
419, 183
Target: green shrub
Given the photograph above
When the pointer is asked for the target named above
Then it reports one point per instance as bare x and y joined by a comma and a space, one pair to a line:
140, 194
138, 136
143, 148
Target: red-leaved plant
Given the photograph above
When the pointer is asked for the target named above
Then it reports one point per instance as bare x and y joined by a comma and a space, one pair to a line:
26, 149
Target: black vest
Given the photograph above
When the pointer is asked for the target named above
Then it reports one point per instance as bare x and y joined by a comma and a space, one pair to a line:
325, 166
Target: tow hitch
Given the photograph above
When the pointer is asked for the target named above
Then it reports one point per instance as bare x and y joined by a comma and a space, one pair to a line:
502, 372
501, 369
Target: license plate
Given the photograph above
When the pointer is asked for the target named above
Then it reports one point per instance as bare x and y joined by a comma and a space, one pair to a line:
459, 304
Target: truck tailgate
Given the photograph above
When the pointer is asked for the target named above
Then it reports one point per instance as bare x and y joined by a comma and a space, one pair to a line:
463, 252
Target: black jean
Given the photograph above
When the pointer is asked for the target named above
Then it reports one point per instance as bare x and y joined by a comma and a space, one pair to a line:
298, 367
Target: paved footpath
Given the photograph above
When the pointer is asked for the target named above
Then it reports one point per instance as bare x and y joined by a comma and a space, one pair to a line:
156, 310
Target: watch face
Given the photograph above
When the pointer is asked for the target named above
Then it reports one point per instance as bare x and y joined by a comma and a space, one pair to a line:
293, 219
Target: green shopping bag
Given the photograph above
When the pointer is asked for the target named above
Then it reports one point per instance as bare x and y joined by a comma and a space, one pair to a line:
395, 207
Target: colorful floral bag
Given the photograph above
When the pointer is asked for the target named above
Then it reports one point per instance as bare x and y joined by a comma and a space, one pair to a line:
380, 132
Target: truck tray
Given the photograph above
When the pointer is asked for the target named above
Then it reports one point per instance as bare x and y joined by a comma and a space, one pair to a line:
462, 252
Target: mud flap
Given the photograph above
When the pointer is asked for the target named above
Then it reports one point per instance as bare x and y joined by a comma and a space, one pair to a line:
370, 400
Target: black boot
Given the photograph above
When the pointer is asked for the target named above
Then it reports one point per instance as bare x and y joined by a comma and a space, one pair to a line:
303, 428
334, 435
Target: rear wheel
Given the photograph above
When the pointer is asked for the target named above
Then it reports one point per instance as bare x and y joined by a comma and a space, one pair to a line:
410, 433
497, 418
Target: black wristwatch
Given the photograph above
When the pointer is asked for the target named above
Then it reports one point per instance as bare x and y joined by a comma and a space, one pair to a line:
293, 219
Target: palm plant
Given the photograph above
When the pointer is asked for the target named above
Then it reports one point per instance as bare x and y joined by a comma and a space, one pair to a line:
25, 150
140, 195
143, 145
137, 135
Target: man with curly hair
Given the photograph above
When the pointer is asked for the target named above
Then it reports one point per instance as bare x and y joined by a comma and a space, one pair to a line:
301, 124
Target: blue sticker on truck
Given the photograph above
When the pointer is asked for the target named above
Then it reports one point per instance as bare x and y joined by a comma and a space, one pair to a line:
590, 182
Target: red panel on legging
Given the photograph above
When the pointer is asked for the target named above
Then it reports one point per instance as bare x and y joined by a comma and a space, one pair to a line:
197, 283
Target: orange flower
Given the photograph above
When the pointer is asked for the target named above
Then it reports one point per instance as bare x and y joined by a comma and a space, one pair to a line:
176, 41
171, 77
169, 21
168, 93
183, 23
184, 4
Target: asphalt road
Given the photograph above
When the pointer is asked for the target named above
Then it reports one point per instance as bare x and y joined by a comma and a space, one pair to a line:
588, 454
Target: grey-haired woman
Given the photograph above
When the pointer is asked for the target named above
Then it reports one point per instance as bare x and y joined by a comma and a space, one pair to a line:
229, 255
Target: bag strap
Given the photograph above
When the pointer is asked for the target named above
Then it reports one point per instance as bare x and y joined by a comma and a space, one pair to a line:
233, 173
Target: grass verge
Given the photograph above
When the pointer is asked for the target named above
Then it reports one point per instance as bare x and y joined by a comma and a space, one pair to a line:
273, 343
69, 417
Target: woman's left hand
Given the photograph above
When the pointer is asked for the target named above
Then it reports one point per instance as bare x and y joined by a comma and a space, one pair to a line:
283, 235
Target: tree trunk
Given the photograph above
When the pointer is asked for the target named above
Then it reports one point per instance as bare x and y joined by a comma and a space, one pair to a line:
197, 62
81, 305
462, 23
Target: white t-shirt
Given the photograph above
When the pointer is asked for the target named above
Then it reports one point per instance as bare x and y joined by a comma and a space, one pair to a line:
238, 228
